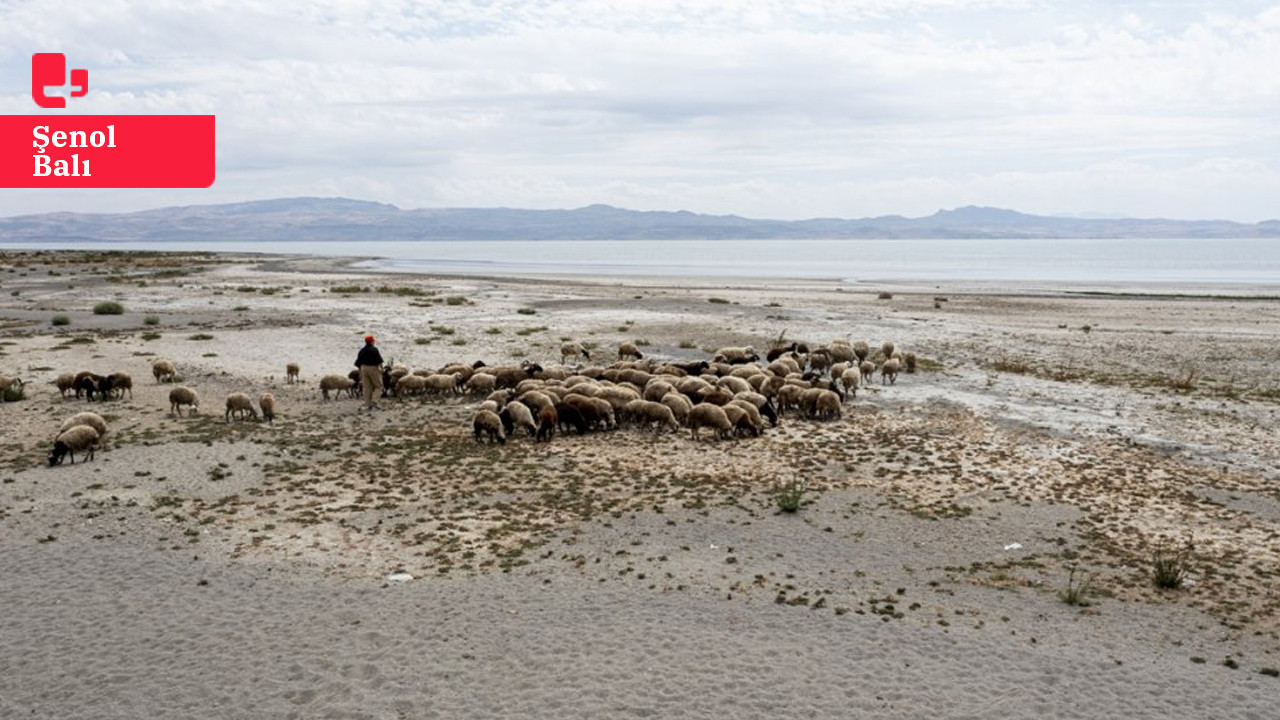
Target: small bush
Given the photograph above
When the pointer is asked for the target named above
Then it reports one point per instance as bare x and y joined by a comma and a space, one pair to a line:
151, 320
1169, 570
151, 336
717, 301
422, 341
885, 296
348, 289
455, 300
60, 320
458, 341
1076, 593
493, 331
788, 496
201, 336
688, 345
524, 332
1011, 365
241, 308
442, 329
110, 307
527, 311
15, 392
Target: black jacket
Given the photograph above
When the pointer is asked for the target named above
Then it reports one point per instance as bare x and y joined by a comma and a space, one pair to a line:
369, 355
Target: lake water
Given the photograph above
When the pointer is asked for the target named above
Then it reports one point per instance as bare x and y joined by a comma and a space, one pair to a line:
1249, 262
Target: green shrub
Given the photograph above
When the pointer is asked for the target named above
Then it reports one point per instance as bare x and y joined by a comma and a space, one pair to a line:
110, 307
1076, 593
151, 336
522, 311
788, 496
15, 392
442, 329
1169, 570
455, 300
717, 301
201, 336
61, 320
151, 320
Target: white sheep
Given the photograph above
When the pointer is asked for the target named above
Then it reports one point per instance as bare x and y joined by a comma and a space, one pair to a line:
240, 404
629, 349
163, 370
90, 419
336, 384
570, 349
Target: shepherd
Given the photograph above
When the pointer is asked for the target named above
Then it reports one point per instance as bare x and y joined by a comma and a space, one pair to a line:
369, 365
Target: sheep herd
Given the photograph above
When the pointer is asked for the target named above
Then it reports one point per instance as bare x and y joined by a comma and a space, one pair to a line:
734, 394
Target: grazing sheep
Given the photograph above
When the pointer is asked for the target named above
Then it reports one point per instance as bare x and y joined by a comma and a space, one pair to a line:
163, 370
79, 438
734, 385
887, 349
658, 389
851, 379
629, 349
861, 350
536, 400
337, 384
267, 402
91, 419
712, 416
517, 415
291, 372
841, 351
488, 424
692, 368
788, 397
548, 418
827, 406
570, 349
646, 413
89, 384
118, 382
741, 421
889, 371
480, 383
775, 353
65, 382
867, 368
820, 360
753, 414
909, 361
508, 377
679, 404
238, 404
489, 405
762, 405
566, 416
180, 396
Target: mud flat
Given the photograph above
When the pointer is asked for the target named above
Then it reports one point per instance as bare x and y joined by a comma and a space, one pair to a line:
343, 564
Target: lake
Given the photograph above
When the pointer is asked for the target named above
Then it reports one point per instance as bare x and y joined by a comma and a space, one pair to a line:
1243, 262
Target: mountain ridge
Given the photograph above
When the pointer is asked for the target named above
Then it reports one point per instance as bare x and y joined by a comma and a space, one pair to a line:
346, 219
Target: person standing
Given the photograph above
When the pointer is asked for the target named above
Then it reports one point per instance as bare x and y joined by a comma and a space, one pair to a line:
369, 364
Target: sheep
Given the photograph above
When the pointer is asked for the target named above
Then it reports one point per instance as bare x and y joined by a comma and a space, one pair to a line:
837, 369
861, 350
90, 384
490, 425
867, 368
827, 405
517, 415
887, 349
753, 414
291, 372
65, 382
658, 389
267, 402
489, 405
118, 382
180, 396
788, 397
762, 405
337, 384
80, 437
629, 349
548, 418
820, 360
740, 421
511, 376
6, 383
536, 400
889, 371
91, 419
712, 416
238, 403
909, 361
775, 353
736, 355
411, 385
480, 383
679, 404
734, 384
690, 368
566, 416
570, 349
841, 351
163, 370
851, 379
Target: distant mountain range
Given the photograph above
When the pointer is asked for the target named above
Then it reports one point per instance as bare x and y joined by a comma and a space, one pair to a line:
302, 219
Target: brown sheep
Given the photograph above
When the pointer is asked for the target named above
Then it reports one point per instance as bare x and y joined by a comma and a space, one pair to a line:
547, 421
486, 423
267, 402
240, 404
712, 416
80, 437
909, 361
291, 372
629, 349
180, 396
889, 371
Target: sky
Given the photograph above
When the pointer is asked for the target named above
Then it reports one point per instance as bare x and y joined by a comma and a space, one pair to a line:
762, 108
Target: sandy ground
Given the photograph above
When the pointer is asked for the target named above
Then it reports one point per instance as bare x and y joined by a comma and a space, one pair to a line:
202, 569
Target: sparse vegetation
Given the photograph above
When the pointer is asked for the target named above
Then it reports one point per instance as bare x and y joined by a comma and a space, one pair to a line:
109, 307
1169, 570
788, 496
200, 337
60, 320
1076, 593
717, 301
151, 320
527, 311
885, 296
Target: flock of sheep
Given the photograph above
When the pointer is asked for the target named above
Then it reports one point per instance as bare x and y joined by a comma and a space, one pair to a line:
733, 394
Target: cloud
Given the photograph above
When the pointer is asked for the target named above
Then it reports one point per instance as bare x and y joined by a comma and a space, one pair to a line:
784, 108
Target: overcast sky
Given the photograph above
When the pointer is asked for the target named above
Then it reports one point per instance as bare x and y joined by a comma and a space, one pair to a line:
763, 108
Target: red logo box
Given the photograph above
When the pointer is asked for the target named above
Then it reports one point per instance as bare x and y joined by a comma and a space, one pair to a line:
106, 151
